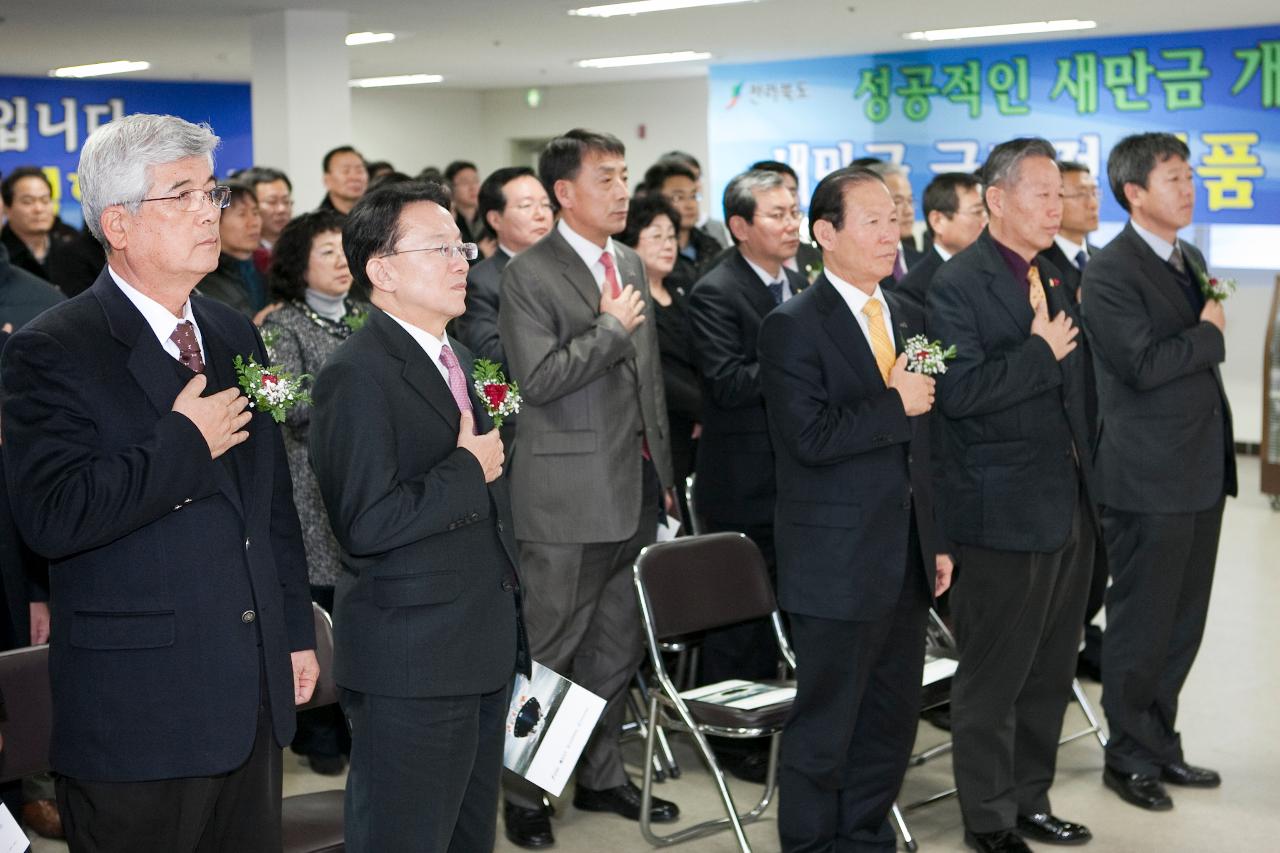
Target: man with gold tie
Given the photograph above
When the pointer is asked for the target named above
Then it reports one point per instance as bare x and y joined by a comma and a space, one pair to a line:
1014, 496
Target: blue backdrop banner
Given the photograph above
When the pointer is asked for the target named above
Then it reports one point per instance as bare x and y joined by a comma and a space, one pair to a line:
44, 121
936, 111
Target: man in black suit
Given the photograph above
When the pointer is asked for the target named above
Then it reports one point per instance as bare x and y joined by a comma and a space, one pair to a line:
808, 257
895, 178
1014, 495
855, 537
954, 217
426, 610
179, 593
515, 207
1165, 461
1070, 254
734, 489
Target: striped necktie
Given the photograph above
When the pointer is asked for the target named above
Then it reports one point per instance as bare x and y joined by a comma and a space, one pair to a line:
881, 345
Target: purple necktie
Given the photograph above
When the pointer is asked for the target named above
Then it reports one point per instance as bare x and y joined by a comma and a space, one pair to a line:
899, 266
188, 347
457, 382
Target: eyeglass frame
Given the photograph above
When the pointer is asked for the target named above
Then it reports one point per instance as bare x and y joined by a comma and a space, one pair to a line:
467, 251
205, 195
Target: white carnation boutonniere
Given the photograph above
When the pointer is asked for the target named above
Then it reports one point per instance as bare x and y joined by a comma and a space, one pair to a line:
270, 389
1215, 289
929, 358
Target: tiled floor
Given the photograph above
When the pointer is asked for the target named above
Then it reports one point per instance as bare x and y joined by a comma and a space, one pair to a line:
1230, 720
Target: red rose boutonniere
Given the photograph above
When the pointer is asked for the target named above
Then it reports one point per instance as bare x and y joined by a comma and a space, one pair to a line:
501, 398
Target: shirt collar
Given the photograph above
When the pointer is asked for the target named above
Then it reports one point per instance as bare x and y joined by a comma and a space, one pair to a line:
942, 253
430, 344
585, 249
508, 252
1162, 247
1017, 264
764, 276
159, 318
1069, 248
856, 297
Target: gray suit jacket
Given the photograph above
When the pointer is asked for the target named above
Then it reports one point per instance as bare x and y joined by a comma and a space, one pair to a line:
592, 394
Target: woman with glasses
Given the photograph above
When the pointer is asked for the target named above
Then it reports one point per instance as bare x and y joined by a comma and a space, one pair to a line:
309, 276
652, 228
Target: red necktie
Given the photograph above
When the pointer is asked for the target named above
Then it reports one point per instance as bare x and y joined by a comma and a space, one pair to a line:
188, 347
610, 274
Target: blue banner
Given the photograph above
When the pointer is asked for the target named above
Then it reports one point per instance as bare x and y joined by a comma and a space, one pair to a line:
937, 111
44, 121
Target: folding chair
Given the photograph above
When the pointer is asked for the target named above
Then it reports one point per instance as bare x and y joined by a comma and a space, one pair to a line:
685, 586
312, 822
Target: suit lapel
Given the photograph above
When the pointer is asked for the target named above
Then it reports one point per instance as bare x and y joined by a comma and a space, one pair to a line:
234, 475
1158, 273
418, 371
479, 407
1006, 290
575, 271
753, 289
845, 332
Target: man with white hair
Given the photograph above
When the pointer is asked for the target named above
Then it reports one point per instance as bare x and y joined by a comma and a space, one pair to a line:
182, 633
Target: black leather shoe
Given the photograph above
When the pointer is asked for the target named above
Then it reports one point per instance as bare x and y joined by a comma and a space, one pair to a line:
624, 800
1004, 841
1145, 792
1052, 830
748, 766
326, 765
1182, 773
527, 828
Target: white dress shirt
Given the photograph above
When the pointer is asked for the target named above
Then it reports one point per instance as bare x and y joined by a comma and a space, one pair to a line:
768, 280
942, 253
430, 344
590, 254
159, 318
1162, 247
856, 299
1071, 249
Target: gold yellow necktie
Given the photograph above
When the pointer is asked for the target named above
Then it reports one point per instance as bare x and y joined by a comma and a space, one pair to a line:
1035, 289
881, 346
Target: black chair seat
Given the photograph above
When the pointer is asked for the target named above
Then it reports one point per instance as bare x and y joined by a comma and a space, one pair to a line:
768, 717
313, 822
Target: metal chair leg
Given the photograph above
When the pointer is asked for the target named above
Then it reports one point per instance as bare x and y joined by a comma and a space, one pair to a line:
901, 821
1086, 707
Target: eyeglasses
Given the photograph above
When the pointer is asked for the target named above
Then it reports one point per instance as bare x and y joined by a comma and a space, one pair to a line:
1093, 193
783, 215
470, 251
189, 201
526, 206
681, 198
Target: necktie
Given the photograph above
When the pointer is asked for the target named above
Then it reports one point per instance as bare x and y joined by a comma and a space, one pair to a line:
457, 382
1035, 290
775, 290
1176, 261
188, 347
881, 346
899, 266
610, 274
1082, 260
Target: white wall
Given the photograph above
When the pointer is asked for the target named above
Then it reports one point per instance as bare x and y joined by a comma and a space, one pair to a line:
420, 126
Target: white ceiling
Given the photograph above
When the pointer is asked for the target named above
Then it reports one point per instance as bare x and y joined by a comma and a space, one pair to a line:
480, 44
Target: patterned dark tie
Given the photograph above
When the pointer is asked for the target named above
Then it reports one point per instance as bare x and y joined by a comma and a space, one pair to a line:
775, 290
188, 347
1082, 260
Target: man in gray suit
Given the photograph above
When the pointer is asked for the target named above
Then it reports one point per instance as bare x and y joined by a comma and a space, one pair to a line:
595, 459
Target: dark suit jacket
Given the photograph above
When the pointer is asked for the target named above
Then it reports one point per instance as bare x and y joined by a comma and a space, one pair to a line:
1013, 418
175, 578
23, 295
426, 603
851, 465
735, 482
477, 329
1071, 280
915, 284
1165, 441
75, 258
